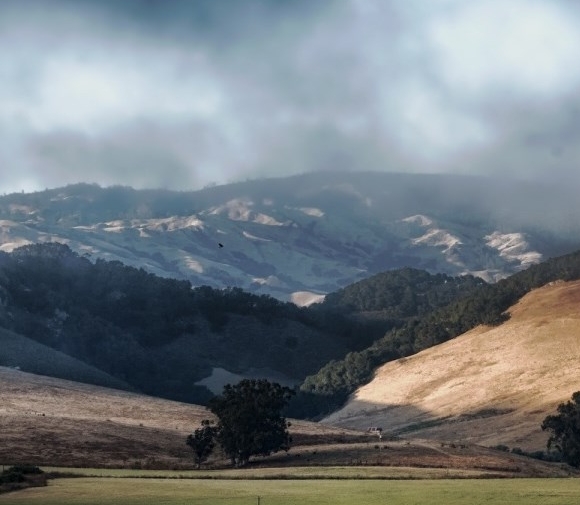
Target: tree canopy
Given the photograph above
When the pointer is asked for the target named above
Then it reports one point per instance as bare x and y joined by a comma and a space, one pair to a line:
564, 429
202, 442
250, 422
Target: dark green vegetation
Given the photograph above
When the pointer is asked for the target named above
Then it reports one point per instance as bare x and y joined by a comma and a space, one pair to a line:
160, 336
202, 442
20, 477
564, 429
250, 422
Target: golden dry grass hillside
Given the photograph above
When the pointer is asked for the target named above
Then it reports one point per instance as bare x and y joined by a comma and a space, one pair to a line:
490, 386
54, 422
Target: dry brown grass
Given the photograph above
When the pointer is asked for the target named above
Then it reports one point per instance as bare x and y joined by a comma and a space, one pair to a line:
51, 421
489, 386
54, 422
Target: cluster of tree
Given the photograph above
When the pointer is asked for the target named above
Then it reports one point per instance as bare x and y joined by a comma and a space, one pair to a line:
21, 476
564, 429
115, 317
401, 294
249, 423
487, 304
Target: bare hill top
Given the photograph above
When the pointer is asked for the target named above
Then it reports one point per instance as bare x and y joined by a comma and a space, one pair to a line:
492, 385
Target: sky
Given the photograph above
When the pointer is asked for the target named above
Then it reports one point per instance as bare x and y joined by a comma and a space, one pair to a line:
182, 94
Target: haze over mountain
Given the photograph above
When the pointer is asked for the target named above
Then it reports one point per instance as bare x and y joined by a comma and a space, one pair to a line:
150, 93
303, 236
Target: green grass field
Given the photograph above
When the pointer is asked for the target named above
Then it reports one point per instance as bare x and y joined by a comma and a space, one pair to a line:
147, 491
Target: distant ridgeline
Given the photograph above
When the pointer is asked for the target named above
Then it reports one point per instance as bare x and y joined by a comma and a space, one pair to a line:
161, 336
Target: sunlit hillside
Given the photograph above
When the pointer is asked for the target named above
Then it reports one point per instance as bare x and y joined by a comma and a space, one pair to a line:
492, 385
61, 423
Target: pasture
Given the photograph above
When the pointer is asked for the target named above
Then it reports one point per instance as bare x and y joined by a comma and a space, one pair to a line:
159, 491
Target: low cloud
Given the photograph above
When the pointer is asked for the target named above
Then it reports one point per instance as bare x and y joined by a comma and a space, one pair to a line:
179, 94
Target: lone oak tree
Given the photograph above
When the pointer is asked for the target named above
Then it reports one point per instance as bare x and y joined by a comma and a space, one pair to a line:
250, 422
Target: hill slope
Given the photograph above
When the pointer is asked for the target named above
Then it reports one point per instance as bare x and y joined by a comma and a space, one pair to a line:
492, 385
54, 422
168, 339
19, 352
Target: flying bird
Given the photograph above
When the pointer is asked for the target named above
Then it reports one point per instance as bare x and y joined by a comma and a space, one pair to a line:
220, 244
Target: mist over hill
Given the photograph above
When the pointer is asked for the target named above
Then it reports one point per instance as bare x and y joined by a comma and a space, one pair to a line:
307, 234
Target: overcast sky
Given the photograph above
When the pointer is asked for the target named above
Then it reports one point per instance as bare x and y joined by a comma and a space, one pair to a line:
183, 93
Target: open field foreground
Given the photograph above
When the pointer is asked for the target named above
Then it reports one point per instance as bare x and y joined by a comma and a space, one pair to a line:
82, 491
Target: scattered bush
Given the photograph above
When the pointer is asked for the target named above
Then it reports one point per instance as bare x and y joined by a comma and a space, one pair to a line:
21, 476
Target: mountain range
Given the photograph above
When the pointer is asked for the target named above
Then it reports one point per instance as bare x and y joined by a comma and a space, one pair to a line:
126, 289
301, 237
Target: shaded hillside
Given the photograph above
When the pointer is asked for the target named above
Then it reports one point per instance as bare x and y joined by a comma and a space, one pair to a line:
491, 385
396, 296
401, 293
22, 353
159, 335
164, 337
487, 305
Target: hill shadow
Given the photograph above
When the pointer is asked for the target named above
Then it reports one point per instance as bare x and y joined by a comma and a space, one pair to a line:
408, 421
22, 353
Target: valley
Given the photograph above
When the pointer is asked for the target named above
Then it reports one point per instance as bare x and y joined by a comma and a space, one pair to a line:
456, 338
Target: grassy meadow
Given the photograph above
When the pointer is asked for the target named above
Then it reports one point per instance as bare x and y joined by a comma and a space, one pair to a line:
155, 491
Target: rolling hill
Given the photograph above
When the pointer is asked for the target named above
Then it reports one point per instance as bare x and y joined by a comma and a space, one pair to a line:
19, 352
165, 338
47, 421
491, 385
